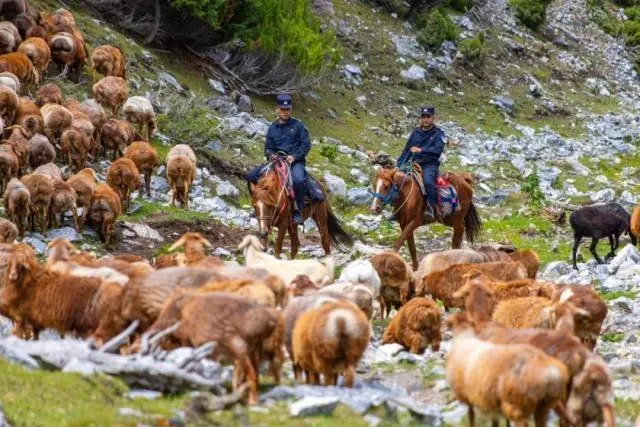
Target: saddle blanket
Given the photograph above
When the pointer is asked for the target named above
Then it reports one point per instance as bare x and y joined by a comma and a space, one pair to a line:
448, 202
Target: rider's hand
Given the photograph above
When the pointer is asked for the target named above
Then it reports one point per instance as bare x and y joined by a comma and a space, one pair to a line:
273, 157
415, 149
291, 159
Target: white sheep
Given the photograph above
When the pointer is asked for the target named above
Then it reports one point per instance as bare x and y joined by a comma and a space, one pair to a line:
362, 272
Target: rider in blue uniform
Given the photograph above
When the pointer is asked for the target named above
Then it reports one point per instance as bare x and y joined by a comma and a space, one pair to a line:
290, 136
424, 147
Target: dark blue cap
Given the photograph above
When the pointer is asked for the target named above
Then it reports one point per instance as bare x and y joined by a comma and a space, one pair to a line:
284, 101
429, 110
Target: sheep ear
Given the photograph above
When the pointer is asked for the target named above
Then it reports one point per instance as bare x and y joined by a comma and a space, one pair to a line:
177, 244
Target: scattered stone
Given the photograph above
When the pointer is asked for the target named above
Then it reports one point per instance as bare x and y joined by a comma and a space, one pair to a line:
68, 233
242, 101
225, 188
360, 176
391, 349
217, 86
335, 184
413, 74
359, 196
504, 103
142, 231
129, 412
308, 406
171, 81
143, 394
603, 196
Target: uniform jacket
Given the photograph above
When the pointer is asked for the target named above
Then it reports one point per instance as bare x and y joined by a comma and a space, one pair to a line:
290, 137
431, 144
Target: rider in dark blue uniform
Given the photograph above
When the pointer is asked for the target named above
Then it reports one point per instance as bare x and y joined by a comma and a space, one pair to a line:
424, 147
289, 136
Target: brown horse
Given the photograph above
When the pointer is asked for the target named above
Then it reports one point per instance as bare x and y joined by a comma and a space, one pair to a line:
409, 207
274, 209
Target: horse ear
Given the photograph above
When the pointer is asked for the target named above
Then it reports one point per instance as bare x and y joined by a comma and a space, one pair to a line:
377, 168
252, 186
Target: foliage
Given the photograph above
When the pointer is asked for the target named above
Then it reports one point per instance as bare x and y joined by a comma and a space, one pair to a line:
473, 49
613, 337
329, 151
530, 12
459, 5
214, 12
436, 28
532, 187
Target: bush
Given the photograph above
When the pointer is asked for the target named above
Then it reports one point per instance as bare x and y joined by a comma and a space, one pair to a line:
473, 49
329, 151
530, 12
631, 32
460, 5
532, 187
436, 28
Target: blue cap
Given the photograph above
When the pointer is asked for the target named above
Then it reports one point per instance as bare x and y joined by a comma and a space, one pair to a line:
429, 110
284, 101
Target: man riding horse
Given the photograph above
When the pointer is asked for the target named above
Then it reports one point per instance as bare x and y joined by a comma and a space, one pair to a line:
424, 147
290, 137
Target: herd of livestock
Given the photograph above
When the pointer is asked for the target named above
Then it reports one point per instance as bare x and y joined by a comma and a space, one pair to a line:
521, 347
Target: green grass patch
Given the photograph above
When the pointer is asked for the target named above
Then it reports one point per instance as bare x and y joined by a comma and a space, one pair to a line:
42, 398
168, 212
613, 337
610, 296
627, 409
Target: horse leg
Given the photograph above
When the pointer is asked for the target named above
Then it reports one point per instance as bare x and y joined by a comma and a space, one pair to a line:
407, 229
458, 233
411, 244
295, 241
280, 239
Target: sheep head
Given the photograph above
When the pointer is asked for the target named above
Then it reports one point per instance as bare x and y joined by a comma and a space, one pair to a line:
60, 250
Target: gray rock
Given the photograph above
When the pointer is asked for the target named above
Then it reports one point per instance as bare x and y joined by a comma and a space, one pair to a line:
407, 46
323, 7
82, 367
612, 284
225, 188
343, 149
360, 176
36, 240
142, 231
413, 73
628, 199
18, 356
129, 412
68, 233
359, 196
217, 86
556, 269
622, 304
366, 223
243, 102
330, 140
504, 103
144, 394
603, 196
391, 350
578, 167
308, 406
362, 101
159, 184
335, 184
169, 80
535, 90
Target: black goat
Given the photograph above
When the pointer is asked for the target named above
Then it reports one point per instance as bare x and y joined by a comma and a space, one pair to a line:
599, 221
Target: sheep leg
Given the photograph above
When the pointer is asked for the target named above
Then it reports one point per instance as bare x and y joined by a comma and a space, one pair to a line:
297, 372
252, 378
349, 376
295, 241
147, 181
592, 249
330, 379
186, 197
173, 196
74, 211
576, 244
411, 243
313, 378
45, 220
383, 307
541, 415
472, 416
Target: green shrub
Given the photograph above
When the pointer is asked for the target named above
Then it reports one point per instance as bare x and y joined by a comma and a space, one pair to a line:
530, 12
473, 49
435, 28
532, 187
329, 151
631, 32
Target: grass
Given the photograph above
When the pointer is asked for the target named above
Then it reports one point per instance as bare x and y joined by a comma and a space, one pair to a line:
613, 336
610, 296
168, 212
627, 409
42, 398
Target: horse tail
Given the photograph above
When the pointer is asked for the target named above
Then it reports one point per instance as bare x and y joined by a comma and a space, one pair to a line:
472, 224
337, 233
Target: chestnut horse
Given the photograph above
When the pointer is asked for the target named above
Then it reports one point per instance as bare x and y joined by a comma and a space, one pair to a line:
393, 186
274, 208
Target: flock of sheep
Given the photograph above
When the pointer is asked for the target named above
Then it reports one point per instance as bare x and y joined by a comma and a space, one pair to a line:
521, 347
38, 131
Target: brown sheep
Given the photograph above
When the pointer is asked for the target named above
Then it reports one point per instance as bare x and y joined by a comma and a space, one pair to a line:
302, 285
416, 325
51, 170
10, 37
111, 92
123, 177
181, 171
38, 52
29, 116
63, 200
443, 284
104, 211
529, 258
56, 119
439, 261
237, 326
515, 380
139, 112
9, 165
397, 281
49, 94
587, 299
17, 201
68, 49
247, 288
24, 22
40, 190
40, 151
62, 17
360, 295
38, 31
329, 341
8, 104
96, 115
634, 224
75, 147
19, 64
8, 231
116, 135
108, 61
19, 141
195, 256
146, 159
12, 8
45, 299
535, 312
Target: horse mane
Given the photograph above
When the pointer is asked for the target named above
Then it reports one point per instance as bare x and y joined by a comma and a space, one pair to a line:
261, 193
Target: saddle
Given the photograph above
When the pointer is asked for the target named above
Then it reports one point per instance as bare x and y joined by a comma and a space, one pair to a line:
448, 202
314, 191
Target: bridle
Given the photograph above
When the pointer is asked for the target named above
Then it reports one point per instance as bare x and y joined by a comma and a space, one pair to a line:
283, 170
393, 193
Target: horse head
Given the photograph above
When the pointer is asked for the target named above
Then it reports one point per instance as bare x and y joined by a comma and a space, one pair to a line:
267, 198
382, 185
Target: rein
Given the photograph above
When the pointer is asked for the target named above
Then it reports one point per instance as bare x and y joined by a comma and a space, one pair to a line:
393, 193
